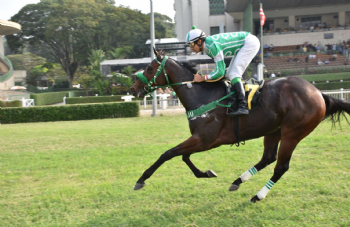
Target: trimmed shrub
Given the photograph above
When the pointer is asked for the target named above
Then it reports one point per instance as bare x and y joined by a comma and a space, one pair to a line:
98, 99
94, 99
69, 113
48, 98
332, 86
14, 103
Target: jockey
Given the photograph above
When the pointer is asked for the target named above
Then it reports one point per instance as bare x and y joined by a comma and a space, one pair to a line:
241, 46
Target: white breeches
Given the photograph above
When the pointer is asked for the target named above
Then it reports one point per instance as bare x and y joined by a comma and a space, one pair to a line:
245, 55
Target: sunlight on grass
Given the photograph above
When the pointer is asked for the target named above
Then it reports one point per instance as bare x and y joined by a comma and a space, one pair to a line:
82, 174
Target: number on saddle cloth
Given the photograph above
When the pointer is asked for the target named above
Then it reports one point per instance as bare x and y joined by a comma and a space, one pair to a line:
252, 95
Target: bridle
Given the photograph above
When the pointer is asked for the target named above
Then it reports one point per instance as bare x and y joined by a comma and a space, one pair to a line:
149, 87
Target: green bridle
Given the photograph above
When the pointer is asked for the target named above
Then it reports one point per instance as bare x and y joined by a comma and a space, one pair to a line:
149, 88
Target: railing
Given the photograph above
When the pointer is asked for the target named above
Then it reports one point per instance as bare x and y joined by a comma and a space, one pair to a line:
7, 75
161, 104
342, 94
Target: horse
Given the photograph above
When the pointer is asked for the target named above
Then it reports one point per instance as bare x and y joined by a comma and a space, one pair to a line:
291, 109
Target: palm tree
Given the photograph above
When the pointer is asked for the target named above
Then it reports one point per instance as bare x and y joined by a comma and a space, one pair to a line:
120, 53
96, 57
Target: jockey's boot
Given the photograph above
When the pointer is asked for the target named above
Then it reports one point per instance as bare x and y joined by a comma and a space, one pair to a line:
242, 104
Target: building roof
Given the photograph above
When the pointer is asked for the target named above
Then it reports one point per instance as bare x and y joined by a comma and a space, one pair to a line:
148, 60
233, 6
163, 41
9, 27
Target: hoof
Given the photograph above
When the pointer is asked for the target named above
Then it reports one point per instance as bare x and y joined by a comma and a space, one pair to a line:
138, 186
255, 199
233, 187
211, 173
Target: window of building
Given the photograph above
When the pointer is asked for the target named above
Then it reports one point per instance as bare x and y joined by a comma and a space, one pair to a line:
216, 30
217, 7
307, 22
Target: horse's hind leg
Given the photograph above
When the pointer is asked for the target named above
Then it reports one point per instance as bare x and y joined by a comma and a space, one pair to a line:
198, 173
270, 151
284, 155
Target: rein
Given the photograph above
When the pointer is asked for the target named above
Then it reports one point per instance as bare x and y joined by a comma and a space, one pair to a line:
149, 88
190, 114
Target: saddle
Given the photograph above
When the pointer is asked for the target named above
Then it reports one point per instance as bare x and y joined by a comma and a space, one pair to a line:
253, 97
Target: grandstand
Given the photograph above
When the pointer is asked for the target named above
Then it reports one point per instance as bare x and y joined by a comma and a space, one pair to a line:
280, 62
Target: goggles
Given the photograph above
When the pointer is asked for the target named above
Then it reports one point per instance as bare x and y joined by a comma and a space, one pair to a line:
191, 44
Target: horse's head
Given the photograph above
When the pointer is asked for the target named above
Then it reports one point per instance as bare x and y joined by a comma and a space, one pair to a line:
151, 77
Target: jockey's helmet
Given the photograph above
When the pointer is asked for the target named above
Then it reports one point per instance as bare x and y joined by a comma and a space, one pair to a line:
194, 35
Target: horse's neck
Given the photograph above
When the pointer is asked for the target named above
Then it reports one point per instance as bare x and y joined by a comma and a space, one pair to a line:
199, 94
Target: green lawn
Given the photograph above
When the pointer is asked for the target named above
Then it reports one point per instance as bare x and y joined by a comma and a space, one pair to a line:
82, 174
324, 77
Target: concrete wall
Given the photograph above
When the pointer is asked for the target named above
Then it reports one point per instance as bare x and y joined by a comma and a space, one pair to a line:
8, 83
311, 37
2, 52
20, 75
197, 12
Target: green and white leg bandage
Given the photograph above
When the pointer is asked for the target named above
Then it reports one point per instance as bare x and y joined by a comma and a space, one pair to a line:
263, 192
248, 174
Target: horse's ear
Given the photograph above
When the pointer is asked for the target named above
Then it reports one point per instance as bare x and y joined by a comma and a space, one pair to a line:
156, 52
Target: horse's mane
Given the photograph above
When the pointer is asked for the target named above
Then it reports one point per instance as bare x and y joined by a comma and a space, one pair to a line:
186, 66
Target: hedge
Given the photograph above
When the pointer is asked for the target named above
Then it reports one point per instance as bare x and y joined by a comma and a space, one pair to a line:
98, 99
54, 97
333, 85
94, 99
48, 98
14, 103
69, 112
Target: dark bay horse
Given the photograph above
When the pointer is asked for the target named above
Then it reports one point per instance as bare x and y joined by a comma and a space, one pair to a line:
291, 109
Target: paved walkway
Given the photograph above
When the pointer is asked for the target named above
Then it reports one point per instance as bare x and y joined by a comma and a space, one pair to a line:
169, 111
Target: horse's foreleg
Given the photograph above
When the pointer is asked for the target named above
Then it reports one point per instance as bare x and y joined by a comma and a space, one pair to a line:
270, 151
192, 145
198, 173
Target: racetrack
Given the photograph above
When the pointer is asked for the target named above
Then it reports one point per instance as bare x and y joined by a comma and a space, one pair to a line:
82, 173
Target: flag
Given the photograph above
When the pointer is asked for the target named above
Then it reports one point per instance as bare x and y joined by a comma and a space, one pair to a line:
262, 17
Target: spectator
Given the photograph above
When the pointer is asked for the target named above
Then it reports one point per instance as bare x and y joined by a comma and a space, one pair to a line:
266, 46
289, 60
255, 76
271, 47
278, 74
307, 59
325, 48
273, 75
319, 62
296, 60
304, 49
160, 91
312, 28
318, 49
334, 48
268, 54
340, 48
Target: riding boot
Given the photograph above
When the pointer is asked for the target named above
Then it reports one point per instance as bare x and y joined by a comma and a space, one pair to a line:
242, 104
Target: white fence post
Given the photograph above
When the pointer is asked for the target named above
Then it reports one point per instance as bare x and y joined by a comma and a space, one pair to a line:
341, 94
64, 100
23, 102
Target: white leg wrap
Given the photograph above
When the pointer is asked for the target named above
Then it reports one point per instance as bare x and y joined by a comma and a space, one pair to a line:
263, 192
248, 174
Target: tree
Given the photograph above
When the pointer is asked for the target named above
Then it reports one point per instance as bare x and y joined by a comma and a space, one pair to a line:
68, 29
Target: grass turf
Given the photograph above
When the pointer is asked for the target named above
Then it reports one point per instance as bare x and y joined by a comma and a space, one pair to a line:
82, 174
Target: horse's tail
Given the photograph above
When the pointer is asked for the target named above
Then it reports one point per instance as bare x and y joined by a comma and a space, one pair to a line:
335, 108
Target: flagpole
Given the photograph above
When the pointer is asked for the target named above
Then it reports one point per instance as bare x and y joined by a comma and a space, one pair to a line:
262, 48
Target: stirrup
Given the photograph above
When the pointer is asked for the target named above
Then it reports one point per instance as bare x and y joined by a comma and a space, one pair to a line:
238, 112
